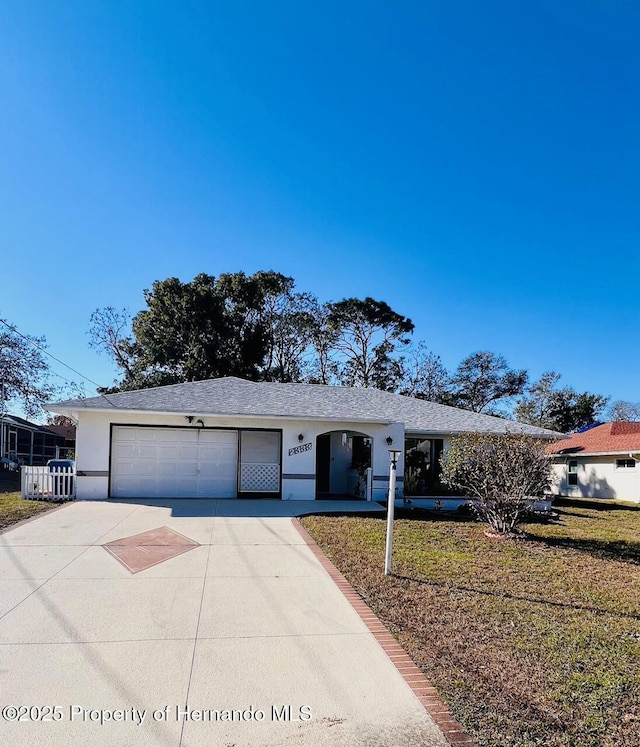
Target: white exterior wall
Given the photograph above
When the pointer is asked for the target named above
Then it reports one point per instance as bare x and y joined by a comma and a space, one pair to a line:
598, 478
93, 435
93, 442
380, 461
298, 470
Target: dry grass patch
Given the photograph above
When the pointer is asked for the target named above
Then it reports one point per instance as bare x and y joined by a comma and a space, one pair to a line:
12, 507
531, 642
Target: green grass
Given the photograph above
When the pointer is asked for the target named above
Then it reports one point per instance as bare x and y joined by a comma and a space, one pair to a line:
532, 642
12, 507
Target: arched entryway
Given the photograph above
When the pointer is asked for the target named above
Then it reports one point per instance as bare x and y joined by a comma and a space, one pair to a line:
342, 458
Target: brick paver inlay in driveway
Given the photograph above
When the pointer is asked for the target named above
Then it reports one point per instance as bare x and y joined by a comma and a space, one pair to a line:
142, 551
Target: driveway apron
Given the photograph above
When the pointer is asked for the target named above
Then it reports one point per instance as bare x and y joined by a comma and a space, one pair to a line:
185, 623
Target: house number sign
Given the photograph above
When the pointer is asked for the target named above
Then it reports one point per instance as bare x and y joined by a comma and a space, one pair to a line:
300, 449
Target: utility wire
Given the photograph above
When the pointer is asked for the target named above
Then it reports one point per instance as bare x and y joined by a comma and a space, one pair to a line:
46, 352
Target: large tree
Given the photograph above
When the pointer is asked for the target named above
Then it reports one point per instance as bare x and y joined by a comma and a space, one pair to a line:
424, 375
24, 371
561, 409
483, 381
623, 410
537, 404
110, 335
290, 321
323, 368
368, 336
205, 328
573, 410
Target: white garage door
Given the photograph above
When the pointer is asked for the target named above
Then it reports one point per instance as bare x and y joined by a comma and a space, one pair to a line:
173, 463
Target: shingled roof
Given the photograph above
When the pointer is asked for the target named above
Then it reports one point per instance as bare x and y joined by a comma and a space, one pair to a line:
232, 396
608, 438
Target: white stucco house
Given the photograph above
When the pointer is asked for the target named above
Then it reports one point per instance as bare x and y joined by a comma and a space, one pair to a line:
230, 438
602, 462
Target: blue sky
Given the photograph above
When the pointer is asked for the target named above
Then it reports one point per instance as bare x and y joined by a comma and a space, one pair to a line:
473, 164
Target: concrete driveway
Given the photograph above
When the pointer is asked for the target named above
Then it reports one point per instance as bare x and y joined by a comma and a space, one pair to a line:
244, 619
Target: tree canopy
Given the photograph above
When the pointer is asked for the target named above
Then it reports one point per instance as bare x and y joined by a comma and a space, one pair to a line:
254, 327
484, 379
206, 328
623, 410
561, 409
367, 335
425, 376
25, 377
259, 327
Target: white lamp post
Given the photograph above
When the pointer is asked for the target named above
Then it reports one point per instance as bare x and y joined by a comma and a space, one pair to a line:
391, 504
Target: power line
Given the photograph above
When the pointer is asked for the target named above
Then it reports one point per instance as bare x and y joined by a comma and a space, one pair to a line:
64, 378
46, 352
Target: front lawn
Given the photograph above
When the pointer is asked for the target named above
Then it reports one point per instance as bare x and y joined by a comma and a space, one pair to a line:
531, 642
12, 507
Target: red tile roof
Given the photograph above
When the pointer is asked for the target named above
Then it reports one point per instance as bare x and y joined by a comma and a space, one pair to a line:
608, 438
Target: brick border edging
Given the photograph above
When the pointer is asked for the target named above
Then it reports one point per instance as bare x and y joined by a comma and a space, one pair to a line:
412, 675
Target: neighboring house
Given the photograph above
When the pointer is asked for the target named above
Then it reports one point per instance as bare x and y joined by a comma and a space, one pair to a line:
228, 438
65, 439
23, 442
602, 462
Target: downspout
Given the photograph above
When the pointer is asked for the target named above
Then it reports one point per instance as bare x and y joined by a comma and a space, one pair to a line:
635, 456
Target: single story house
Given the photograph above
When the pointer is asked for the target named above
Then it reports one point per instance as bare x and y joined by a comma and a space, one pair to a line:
23, 442
230, 438
602, 462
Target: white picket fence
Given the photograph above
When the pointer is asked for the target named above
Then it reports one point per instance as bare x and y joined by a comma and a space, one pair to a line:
48, 483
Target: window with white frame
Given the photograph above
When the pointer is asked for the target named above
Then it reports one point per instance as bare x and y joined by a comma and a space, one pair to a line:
625, 463
572, 472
